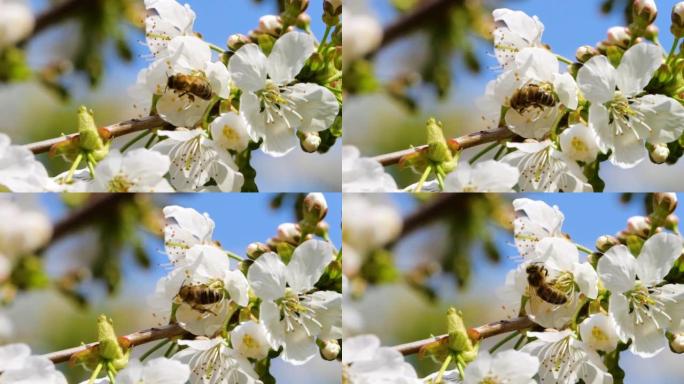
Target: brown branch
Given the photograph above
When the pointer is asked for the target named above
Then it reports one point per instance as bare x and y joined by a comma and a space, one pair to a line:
115, 130
423, 14
135, 338
476, 334
57, 14
463, 142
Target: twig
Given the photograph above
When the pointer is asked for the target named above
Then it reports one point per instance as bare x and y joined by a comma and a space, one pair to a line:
424, 13
135, 338
476, 334
463, 142
115, 130
56, 14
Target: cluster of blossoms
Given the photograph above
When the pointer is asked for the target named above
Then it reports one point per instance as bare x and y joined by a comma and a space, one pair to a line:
283, 300
621, 101
274, 89
628, 294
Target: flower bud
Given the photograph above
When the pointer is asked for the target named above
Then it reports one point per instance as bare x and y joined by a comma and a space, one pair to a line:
585, 52
644, 11
310, 142
677, 343
677, 27
296, 6
237, 40
438, 150
289, 233
254, 250
16, 23
303, 21
652, 32
331, 349
315, 207
665, 202
332, 9
659, 153
639, 225
619, 36
270, 24
606, 242
671, 222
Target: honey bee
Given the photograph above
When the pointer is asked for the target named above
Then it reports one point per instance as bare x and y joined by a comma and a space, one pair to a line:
191, 85
536, 277
532, 95
200, 295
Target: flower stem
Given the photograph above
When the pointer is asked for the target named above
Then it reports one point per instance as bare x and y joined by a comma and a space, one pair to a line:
500, 152
460, 365
521, 341
152, 138
234, 256
443, 369
77, 162
670, 55
563, 59
584, 249
111, 372
424, 177
134, 140
503, 341
324, 39
154, 349
170, 351
216, 48
483, 152
96, 372
90, 162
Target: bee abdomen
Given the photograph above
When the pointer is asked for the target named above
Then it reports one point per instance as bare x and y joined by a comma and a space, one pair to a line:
551, 295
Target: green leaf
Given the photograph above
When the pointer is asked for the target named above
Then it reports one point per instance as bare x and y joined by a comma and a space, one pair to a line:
591, 171
243, 161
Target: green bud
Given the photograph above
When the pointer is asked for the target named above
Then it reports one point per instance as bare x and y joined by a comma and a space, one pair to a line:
438, 150
109, 347
459, 341
89, 137
677, 27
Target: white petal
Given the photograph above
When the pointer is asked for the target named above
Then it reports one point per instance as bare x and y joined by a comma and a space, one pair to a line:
587, 279
288, 56
600, 123
596, 79
579, 143
267, 276
657, 257
190, 53
308, 262
237, 286
648, 340
360, 348
299, 347
515, 365
567, 90
230, 131
628, 151
537, 64
247, 68
637, 67
219, 79
664, 115
12, 356
318, 109
617, 269
165, 371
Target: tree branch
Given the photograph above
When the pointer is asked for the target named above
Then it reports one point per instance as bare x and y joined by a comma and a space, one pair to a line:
56, 14
115, 130
135, 338
463, 142
476, 334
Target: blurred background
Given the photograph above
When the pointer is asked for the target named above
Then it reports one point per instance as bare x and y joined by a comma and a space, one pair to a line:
455, 250
109, 260
442, 66
95, 59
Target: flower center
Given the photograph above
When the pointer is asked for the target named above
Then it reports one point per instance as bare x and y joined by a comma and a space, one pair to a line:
276, 101
565, 282
250, 342
645, 303
491, 380
598, 334
119, 183
578, 145
299, 311
624, 117
230, 133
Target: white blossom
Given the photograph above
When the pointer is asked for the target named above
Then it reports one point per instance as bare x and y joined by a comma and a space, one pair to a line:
509, 367
579, 142
366, 362
249, 338
18, 366
534, 221
213, 362
140, 170
598, 332
363, 174
273, 108
230, 131
513, 32
156, 371
16, 21
20, 171
183, 229
485, 176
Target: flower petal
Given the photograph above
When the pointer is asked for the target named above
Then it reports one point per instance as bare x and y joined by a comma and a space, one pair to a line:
657, 257
637, 68
219, 79
317, 106
596, 79
308, 262
617, 269
267, 276
587, 279
288, 56
247, 68
664, 115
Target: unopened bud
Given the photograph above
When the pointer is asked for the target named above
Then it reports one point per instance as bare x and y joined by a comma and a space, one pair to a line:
639, 225
296, 6
310, 142
606, 242
332, 9
303, 21
331, 349
322, 229
270, 24
644, 11
237, 40
672, 222
289, 233
315, 207
677, 27
438, 150
619, 36
659, 153
652, 32
677, 343
665, 202
585, 52
254, 250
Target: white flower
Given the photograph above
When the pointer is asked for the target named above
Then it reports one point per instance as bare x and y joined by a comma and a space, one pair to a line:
230, 131
535, 70
485, 176
509, 367
643, 309
196, 159
16, 21
622, 119
365, 362
564, 359
20, 171
362, 34
363, 174
212, 362
156, 371
514, 31
140, 170
22, 229
183, 229
273, 108
165, 20
545, 169
19, 367
204, 266
535, 220
249, 338
370, 221
579, 142
598, 332
292, 316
